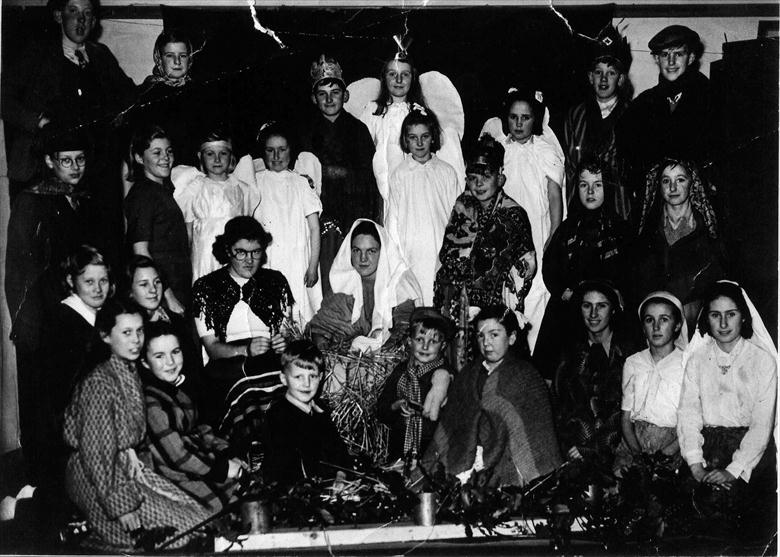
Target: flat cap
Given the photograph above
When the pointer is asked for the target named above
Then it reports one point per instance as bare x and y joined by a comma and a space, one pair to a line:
675, 35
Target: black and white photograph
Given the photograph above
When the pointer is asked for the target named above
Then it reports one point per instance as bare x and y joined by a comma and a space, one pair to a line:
412, 277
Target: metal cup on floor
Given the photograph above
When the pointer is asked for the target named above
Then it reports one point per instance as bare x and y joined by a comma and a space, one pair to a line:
256, 516
425, 511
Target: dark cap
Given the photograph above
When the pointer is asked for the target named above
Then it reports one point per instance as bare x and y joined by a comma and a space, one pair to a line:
676, 35
434, 319
55, 140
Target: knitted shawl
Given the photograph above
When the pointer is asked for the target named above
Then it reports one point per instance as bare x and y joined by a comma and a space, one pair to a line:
216, 294
512, 420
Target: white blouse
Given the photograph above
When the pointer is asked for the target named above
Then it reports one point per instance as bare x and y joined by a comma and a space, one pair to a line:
243, 323
729, 390
651, 390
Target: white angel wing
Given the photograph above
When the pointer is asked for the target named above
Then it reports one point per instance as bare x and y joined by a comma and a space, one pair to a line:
361, 92
308, 165
443, 98
493, 128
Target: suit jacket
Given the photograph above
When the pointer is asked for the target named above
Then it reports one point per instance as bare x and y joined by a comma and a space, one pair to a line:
43, 82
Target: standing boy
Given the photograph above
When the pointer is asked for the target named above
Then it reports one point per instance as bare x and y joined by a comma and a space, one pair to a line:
344, 147
590, 126
49, 220
417, 389
672, 118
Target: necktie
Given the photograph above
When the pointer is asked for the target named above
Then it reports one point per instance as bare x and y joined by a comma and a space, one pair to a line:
81, 58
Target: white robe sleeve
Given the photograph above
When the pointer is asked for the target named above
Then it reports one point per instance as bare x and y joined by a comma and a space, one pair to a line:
689, 416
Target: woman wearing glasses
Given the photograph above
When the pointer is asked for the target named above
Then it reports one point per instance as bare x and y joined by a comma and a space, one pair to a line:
241, 311
487, 256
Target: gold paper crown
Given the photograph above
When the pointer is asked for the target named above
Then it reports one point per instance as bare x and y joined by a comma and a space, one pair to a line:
325, 68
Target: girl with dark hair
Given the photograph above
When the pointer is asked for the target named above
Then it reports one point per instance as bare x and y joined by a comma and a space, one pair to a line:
104, 425
155, 224
183, 450
290, 211
210, 198
144, 285
374, 292
400, 90
587, 384
498, 416
727, 410
678, 247
241, 312
592, 243
534, 170
423, 189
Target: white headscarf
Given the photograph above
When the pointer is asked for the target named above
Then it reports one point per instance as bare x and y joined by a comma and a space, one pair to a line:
681, 341
394, 283
761, 336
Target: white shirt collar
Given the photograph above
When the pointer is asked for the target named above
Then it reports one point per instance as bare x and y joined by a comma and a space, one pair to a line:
77, 304
69, 49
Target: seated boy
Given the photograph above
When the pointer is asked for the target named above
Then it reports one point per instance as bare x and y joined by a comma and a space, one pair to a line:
416, 390
298, 434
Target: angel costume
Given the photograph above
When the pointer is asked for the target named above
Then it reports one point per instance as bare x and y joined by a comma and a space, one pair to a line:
441, 97
286, 201
207, 205
368, 311
421, 199
527, 166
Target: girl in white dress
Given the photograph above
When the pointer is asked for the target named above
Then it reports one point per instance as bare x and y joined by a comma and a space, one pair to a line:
290, 210
209, 200
400, 89
423, 190
534, 170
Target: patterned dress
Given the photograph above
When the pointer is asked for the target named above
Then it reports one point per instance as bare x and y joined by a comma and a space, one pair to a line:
484, 251
104, 424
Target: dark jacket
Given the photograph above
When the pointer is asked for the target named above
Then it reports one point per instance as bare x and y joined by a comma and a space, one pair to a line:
649, 130
296, 444
43, 82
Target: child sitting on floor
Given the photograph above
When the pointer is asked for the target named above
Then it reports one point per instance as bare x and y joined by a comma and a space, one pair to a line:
300, 440
652, 381
417, 389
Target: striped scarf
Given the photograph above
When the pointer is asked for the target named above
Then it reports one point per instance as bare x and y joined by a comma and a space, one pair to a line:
409, 389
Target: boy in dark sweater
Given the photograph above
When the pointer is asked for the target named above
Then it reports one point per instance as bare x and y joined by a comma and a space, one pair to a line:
299, 436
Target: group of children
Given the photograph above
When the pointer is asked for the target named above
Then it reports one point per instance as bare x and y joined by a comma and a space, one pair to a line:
493, 413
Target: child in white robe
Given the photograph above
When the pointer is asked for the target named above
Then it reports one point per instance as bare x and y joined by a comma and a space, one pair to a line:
423, 190
289, 209
210, 198
534, 170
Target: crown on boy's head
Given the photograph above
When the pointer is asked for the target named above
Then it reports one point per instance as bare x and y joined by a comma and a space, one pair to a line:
611, 47
326, 68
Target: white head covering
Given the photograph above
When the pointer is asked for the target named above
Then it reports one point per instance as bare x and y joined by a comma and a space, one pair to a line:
394, 283
681, 341
761, 336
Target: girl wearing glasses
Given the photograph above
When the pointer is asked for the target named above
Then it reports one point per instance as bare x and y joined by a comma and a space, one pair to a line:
240, 311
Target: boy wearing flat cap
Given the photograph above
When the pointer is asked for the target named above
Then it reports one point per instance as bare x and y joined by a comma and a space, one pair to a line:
673, 118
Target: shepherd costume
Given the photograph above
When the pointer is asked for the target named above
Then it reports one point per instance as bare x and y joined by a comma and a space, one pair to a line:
510, 418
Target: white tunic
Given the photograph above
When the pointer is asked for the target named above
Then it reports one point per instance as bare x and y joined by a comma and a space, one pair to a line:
207, 205
419, 207
741, 396
386, 132
651, 390
286, 201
